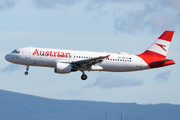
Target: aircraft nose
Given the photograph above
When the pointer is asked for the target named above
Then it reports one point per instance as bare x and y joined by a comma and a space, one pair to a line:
7, 57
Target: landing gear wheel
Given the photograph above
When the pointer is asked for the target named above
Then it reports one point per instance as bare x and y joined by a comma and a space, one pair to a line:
84, 77
26, 73
27, 68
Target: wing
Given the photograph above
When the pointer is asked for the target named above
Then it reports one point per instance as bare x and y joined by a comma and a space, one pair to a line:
87, 63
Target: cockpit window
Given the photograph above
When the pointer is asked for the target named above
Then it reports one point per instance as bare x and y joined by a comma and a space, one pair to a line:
15, 51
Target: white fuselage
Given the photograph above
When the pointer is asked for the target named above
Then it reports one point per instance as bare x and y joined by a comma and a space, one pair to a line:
49, 57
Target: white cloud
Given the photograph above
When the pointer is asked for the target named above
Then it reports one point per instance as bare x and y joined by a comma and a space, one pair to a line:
142, 14
129, 16
107, 82
172, 4
153, 16
7, 4
49, 4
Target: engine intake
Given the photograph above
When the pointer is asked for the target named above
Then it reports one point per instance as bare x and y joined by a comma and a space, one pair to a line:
63, 68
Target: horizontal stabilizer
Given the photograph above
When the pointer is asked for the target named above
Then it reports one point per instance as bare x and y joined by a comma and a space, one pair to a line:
161, 63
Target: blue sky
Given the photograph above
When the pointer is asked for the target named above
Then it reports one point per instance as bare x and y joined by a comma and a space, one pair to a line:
93, 25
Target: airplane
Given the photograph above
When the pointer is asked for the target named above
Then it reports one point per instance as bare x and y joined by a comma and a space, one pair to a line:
66, 61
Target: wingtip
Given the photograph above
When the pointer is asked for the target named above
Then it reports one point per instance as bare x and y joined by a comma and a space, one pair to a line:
107, 56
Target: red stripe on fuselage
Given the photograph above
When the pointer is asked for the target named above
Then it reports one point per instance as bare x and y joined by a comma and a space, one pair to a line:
150, 56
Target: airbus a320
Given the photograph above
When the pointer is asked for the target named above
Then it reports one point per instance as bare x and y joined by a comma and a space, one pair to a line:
66, 61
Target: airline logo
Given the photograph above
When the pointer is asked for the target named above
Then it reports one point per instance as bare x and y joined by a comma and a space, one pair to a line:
51, 53
162, 46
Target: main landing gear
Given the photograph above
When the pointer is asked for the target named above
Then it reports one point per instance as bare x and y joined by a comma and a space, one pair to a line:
27, 68
84, 76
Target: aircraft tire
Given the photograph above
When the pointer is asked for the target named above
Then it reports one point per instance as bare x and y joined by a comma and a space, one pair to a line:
84, 77
26, 73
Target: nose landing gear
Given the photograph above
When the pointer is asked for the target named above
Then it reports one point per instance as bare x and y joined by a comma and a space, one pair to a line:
27, 68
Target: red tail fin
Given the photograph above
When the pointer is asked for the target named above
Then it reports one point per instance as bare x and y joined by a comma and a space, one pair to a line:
158, 50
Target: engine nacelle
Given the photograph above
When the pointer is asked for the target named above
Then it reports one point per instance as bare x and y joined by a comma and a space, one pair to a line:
63, 68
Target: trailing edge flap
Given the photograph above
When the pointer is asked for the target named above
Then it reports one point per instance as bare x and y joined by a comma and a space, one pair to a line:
162, 61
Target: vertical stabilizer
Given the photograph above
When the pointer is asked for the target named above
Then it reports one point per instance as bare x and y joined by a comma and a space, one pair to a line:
155, 55
160, 47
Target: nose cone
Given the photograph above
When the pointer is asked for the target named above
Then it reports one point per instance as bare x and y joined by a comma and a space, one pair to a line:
7, 57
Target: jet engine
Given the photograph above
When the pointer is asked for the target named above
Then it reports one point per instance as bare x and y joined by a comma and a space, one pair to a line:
63, 68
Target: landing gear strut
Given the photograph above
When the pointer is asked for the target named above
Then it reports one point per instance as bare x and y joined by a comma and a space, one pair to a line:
84, 76
27, 68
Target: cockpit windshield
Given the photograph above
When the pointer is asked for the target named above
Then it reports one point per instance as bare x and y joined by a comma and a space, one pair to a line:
15, 51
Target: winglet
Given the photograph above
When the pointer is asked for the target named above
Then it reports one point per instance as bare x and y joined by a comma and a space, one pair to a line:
107, 56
